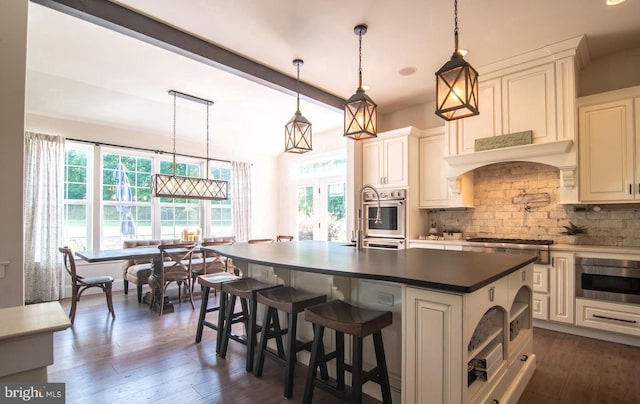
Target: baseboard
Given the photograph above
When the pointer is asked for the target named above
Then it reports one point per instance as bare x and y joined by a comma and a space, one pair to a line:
588, 332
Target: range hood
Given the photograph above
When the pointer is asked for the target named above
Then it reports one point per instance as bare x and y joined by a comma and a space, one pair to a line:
552, 153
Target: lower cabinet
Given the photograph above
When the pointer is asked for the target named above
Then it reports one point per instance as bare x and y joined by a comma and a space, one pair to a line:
608, 316
562, 284
468, 348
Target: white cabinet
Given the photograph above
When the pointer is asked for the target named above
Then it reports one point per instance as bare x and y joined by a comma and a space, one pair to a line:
608, 316
385, 162
562, 287
610, 147
518, 101
444, 332
541, 289
437, 190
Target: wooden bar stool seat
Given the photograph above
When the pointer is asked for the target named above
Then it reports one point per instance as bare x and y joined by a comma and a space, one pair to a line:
213, 281
344, 318
245, 289
291, 301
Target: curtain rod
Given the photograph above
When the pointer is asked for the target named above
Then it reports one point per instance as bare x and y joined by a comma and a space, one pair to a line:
144, 149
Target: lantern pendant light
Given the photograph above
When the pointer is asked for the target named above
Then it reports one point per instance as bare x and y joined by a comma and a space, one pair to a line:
456, 85
360, 112
297, 132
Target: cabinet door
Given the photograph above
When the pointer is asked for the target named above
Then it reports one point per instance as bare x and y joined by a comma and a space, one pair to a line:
432, 347
372, 160
433, 175
607, 152
529, 103
395, 162
488, 123
562, 288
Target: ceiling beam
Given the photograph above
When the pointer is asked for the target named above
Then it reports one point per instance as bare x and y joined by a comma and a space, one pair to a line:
130, 23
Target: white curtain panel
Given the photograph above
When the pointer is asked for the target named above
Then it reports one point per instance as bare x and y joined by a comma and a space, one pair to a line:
44, 273
241, 199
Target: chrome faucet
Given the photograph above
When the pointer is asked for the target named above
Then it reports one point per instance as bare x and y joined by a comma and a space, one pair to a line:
360, 224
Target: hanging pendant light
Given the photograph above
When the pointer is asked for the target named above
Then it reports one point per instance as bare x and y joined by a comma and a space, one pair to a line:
456, 85
360, 112
297, 132
175, 186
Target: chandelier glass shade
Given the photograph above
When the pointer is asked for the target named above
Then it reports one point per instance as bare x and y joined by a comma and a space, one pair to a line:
360, 112
175, 186
297, 132
456, 85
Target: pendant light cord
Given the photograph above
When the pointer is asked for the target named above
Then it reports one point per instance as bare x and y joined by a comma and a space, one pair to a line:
174, 134
207, 163
298, 89
455, 31
360, 60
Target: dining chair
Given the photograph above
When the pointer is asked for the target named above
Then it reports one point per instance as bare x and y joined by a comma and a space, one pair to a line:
79, 283
284, 238
177, 259
260, 240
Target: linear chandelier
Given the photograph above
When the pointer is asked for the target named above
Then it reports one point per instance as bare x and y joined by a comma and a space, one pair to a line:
456, 84
175, 186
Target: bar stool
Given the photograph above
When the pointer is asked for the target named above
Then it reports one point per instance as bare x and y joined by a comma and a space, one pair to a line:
213, 281
292, 302
246, 289
359, 323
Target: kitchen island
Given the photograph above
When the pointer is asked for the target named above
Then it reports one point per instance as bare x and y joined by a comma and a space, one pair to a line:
455, 306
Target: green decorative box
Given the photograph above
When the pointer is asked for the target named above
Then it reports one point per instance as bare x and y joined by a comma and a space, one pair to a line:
498, 142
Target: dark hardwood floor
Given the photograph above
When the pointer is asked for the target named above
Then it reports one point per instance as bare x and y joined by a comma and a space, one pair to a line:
140, 357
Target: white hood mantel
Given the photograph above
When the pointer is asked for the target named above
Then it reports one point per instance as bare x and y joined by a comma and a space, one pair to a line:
561, 154
551, 153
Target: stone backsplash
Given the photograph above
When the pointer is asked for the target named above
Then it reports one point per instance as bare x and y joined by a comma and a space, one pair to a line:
500, 210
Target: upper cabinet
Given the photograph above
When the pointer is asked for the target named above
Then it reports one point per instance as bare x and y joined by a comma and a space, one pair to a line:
437, 189
516, 102
610, 146
385, 160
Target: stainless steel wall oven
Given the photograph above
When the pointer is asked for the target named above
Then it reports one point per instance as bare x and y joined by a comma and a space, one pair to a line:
608, 279
393, 214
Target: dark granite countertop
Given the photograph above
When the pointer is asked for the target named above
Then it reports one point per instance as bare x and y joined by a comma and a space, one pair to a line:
456, 271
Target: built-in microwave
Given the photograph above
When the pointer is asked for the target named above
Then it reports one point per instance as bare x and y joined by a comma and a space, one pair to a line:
608, 279
392, 214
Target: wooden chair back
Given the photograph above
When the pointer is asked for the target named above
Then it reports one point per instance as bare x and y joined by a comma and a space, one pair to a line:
181, 254
260, 240
284, 238
69, 263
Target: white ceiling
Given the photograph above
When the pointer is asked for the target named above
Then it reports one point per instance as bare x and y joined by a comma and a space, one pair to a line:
80, 71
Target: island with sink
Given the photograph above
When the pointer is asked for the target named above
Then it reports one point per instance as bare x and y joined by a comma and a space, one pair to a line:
462, 329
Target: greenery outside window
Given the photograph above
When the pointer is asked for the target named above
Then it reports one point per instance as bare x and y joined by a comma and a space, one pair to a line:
221, 219
179, 214
77, 207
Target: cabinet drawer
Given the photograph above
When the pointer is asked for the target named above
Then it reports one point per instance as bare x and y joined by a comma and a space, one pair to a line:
540, 306
616, 317
480, 301
518, 279
541, 278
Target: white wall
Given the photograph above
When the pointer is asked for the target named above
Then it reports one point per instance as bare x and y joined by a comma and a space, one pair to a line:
613, 72
13, 51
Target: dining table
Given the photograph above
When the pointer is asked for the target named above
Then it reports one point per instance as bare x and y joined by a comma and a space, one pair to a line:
156, 279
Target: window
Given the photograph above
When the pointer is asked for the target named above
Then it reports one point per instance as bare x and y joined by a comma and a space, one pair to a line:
221, 221
77, 207
124, 206
178, 214
320, 197
126, 199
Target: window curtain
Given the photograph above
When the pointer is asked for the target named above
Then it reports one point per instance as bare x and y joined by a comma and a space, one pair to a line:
241, 199
44, 273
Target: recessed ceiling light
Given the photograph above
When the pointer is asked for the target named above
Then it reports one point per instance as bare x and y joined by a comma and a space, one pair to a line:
614, 2
407, 71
